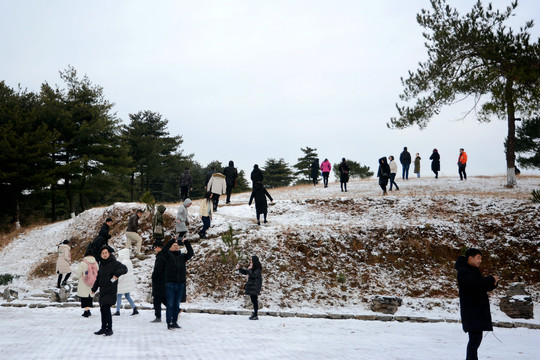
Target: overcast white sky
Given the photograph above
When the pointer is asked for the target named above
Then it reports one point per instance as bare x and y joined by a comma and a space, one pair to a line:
252, 80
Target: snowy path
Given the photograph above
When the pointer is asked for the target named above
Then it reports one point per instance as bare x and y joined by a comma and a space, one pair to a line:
55, 333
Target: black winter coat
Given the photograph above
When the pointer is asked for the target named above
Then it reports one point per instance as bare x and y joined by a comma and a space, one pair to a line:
99, 241
259, 193
343, 172
315, 169
231, 174
473, 297
435, 161
175, 262
405, 158
384, 172
107, 269
257, 176
254, 284
158, 276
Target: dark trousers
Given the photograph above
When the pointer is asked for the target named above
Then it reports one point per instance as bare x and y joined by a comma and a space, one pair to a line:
475, 338
60, 278
229, 190
314, 181
392, 182
255, 302
325, 178
206, 225
158, 300
405, 172
343, 184
462, 173
436, 172
215, 201
184, 192
259, 215
106, 317
174, 295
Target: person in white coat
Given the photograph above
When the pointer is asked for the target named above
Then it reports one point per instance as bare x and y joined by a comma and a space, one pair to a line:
393, 172
84, 289
126, 283
217, 185
63, 264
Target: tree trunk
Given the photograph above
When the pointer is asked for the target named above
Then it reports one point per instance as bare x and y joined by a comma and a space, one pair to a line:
81, 193
53, 202
69, 196
18, 210
511, 138
132, 185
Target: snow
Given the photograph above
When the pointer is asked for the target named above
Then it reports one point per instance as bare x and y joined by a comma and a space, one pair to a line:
57, 333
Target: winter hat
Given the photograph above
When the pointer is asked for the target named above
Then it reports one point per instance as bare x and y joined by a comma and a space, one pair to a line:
187, 202
472, 252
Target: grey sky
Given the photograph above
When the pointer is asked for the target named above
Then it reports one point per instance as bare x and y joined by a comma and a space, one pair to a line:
250, 80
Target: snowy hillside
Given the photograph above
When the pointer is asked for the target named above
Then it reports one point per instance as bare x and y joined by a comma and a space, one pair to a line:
324, 250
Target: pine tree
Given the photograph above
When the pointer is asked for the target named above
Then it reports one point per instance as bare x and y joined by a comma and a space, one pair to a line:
528, 143
242, 185
356, 170
303, 166
277, 173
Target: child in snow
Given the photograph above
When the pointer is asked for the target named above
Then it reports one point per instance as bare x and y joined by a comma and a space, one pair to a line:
206, 211
254, 283
83, 288
259, 193
107, 281
63, 264
126, 283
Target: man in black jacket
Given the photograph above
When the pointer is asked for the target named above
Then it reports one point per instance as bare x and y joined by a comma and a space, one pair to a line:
175, 278
101, 240
473, 298
158, 281
405, 160
231, 174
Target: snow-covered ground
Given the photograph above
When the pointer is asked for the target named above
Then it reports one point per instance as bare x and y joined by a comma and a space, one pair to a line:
55, 333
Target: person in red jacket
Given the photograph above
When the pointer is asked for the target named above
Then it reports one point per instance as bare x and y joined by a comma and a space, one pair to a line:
325, 169
462, 163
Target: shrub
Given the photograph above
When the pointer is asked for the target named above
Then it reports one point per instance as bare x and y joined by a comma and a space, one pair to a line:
5, 279
535, 196
232, 253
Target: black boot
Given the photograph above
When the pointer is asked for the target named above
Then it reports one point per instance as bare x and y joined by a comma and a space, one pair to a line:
100, 332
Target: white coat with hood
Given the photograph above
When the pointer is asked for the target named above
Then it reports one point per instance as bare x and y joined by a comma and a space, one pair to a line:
126, 282
217, 184
63, 264
84, 290
182, 216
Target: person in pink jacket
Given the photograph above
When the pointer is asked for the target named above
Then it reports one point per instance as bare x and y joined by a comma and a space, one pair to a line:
325, 169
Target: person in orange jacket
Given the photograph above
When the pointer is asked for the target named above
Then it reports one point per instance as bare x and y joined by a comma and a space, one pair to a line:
462, 163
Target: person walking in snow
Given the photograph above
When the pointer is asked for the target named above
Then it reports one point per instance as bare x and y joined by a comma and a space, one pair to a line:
107, 282
325, 169
206, 211
126, 283
343, 174
393, 172
417, 164
462, 164
473, 298
186, 184
158, 232
158, 282
88, 267
63, 263
314, 171
182, 218
405, 160
131, 231
231, 174
175, 277
101, 240
435, 163
217, 185
254, 283
260, 194
383, 173
256, 175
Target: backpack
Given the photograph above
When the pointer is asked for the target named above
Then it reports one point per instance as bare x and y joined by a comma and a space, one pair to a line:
90, 275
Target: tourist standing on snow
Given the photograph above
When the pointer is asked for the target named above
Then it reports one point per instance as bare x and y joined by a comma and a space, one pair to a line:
186, 184
217, 186
63, 263
256, 175
393, 172
157, 224
343, 174
325, 169
383, 173
231, 174
182, 218
315, 171
101, 240
254, 283
417, 164
107, 282
405, 160
206, 212
158, 282
175, 277
126, 283
435, 163
462, 163
87, 275
473, 298
260, 194
131, 231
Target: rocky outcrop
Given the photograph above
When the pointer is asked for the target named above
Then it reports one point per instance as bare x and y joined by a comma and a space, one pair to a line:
385, 304
517, 303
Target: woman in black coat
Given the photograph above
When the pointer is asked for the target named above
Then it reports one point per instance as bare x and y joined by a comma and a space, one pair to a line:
383, 173
473, 298
254, 283
435, 163
109, 271
343, 174
260, 194
315, 171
